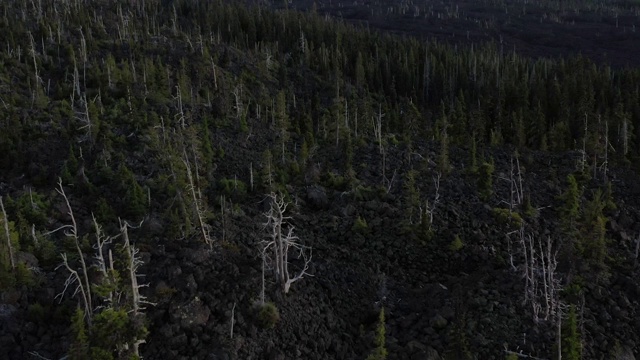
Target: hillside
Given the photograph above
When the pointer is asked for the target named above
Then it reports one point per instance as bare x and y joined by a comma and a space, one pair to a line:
475, 202
605, 32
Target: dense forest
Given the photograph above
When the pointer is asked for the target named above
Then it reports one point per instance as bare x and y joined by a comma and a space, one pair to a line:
213, 180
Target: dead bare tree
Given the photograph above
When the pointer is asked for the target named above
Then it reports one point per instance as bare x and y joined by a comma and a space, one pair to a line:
542, 283
12, 259
516, 193
377, 129
101, 263
71, 230
181, 116
604, 165
74, 278
238, 106
637, 250
84, 116
583, 152
197, 202
133, 264
38, 80
430, 208
280, 240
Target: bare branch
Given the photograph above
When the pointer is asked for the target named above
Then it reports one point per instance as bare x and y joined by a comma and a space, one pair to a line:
198, 207
74, 277
133, 263
12, 259
280, 243
73, 233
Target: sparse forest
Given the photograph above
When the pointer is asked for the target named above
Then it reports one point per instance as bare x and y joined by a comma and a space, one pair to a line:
214, 180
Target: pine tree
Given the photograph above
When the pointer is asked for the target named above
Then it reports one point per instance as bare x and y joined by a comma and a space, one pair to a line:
571, 344
80, 344
380, 351
570, 209
485, 180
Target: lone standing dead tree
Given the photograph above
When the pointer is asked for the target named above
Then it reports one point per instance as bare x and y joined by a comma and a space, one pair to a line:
8, 236
133, 264
81, 279
279, 241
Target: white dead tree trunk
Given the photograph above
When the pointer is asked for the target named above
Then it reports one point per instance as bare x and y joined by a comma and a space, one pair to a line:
35, 63
583, 161
101, 262
12, 259
215, 75
430, 208
74, 277
281, 239
83, 53
180, 115
516, 192
551, 283
133, 264
265, 257
84, 117
239, 107
233, 320
197, 203
377, 129
604, 166
542, 284
83, 283
637, 250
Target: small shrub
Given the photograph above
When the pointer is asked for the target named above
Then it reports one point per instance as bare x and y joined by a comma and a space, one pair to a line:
506, 217
360, 226
335, 181
7, 278
24, 276
45, 251
36, 313
365, 193
456, 244
527, 208
232, 186
485, 180
231, 247
268, 315
165, 291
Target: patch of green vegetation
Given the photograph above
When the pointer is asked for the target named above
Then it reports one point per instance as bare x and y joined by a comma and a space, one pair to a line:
267, 315
508, 218
365, 193
335, 181
457, 244
360, 226
485, 180
379, 352
571, 340
232, 187
25, 276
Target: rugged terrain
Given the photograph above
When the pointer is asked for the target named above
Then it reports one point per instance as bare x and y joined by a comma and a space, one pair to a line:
180, 118
606, 32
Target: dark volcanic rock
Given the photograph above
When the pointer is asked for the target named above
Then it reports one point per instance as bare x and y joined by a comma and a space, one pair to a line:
317, 197
193, 313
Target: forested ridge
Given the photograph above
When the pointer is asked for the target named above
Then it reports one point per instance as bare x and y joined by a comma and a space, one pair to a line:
163, 160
